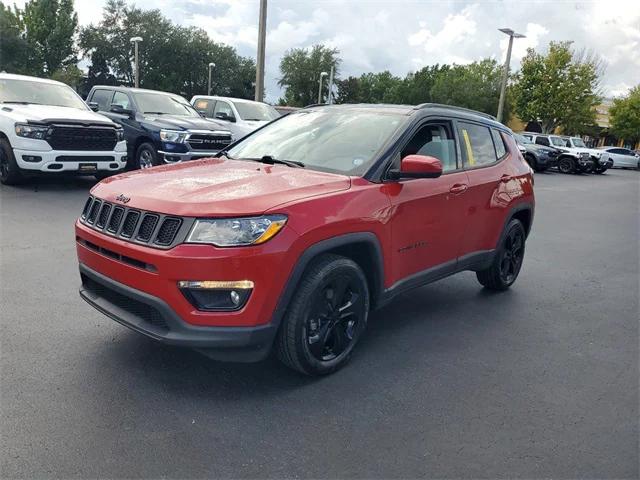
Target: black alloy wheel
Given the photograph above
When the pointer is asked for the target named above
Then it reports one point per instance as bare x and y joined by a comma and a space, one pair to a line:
512, 255
326, 316
565, 165
10, 173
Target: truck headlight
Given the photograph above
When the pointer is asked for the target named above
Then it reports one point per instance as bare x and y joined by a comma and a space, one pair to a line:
38, 132
235, 232
120, 134
173, 136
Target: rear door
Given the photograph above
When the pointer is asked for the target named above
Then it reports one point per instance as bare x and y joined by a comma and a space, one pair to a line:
485, 156
428, 214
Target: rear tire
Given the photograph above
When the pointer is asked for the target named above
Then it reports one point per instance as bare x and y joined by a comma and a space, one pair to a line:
507, 263
566, 165
10, 172
146, 156
326, 317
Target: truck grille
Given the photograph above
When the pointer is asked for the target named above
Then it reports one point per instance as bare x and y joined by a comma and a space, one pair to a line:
209, 141
134, 225
82, 138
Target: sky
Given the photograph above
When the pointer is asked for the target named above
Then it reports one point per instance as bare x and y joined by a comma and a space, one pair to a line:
405, 35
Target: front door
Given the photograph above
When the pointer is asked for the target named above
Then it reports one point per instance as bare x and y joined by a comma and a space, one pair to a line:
428, 221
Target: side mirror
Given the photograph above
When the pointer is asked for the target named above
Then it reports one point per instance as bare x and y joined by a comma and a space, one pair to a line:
93, 106
224, 116
417, 166
120, 110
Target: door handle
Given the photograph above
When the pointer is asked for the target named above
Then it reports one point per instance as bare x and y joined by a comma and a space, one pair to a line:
458, 188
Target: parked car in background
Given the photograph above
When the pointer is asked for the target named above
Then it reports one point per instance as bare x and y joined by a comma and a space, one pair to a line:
294, 234
159, 127
539, 157
570, 160
621, 157
45, 127
245, 115
601, 164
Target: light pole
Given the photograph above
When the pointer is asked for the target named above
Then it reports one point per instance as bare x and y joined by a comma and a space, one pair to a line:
262, 37
136, 41
505, 74
322, 75
211, 67
330, 94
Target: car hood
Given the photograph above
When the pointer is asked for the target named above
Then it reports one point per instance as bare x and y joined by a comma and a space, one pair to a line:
45, 113
218, 187
180, 122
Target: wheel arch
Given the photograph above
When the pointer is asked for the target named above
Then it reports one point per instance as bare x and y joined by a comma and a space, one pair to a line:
523, 213
361, 247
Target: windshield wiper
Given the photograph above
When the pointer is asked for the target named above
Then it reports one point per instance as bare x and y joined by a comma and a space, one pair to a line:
269, 160
155, 113
21, 103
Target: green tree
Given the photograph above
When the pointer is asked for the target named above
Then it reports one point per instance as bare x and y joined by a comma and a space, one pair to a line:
50, 27
300, 69
559, 89
475, 86
13, 46
172, 58
416, 87
625, 116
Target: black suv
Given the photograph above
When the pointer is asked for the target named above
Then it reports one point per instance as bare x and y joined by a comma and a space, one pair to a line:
539, 157
159, 127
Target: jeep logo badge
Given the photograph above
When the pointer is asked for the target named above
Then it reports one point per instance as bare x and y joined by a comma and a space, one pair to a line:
122, 198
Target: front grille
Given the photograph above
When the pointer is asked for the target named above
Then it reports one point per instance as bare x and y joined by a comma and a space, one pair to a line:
82, 138
144, 312
147, 226
104, 215
201, 141
130, 222
83, 158
138, 226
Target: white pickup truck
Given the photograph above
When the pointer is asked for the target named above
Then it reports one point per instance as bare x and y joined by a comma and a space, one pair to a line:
45, 127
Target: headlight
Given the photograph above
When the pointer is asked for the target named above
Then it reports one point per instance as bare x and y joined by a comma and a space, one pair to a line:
235, 232
120, 134
31, 131
173, 136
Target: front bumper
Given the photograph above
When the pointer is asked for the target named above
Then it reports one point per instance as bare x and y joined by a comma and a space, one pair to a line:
72, 160
547, 161
151, 316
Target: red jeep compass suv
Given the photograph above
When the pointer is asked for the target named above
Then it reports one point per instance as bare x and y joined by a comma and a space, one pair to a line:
293, 234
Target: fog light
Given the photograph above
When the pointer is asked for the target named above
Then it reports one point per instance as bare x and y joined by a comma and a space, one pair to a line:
31, 158
212, 296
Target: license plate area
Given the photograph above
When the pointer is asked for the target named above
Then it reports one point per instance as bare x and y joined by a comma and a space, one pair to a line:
87, 167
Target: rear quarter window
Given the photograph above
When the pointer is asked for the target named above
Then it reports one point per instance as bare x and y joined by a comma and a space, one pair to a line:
498, 141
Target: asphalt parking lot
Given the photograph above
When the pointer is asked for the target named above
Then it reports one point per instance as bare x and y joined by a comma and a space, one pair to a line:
449, 382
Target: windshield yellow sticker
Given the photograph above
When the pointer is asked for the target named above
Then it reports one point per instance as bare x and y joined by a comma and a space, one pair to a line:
467, 142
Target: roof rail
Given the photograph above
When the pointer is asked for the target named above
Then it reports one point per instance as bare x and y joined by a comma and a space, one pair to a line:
453, 107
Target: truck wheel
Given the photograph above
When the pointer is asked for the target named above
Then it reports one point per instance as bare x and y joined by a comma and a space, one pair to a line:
325, 318
146, 156
10, 173
532, 162
565, 165
506, 265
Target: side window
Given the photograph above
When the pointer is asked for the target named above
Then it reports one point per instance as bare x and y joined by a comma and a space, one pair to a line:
477, 144
103, 99
121, 99
223, 107
434, 140
542, 141
498, 142
204, 105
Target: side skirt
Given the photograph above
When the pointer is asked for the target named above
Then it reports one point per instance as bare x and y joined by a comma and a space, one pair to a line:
473, 261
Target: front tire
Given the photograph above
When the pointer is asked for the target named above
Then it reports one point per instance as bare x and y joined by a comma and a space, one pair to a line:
10, 173
326, 317
507, 263
566, 165
146, 156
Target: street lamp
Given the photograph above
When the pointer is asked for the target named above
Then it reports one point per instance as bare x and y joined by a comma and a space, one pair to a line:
505, 74
322, 75
211, 66
136, 41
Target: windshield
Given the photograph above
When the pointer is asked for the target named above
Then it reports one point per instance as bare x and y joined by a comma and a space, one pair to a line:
577, 142
522, 140
256, 111
164, 104
324, 139
559, 142
41, 93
